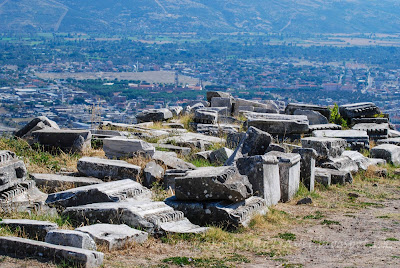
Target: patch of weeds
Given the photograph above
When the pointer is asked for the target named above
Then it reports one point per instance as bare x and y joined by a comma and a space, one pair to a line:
207, 262
67, 264
292, 265
237, 258
350, 216
369, 245
383, 217
269, 253
396, 257
329, 222
322, 243
97, 144
371, 204
200, 162
159, 194
318, 215
391, 239
287, 236
280, 260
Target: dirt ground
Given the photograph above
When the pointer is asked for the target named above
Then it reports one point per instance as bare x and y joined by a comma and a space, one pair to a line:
346, 226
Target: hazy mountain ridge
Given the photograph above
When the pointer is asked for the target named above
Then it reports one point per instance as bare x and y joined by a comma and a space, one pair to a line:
156, 16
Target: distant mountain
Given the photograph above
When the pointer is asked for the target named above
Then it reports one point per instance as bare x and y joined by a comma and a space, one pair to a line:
158, 16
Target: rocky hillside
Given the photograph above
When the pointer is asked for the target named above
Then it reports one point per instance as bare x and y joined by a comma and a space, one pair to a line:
158, 16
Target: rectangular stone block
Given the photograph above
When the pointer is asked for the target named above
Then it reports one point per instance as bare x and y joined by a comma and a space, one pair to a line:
25, 248
354, 138
279, 124
53, 181
263, 174
107, 169
120, 147
388, 152
289, 173
325, 147
31, 228
67, 140
292, 107
362, 109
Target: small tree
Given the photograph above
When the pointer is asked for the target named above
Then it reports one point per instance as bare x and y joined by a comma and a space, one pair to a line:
336, 118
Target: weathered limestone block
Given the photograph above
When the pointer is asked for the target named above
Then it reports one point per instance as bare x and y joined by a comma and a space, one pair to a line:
363, 109
289, 173
119, 147
107, 169
197, 140
374, 131
216, 130
217, 94
259, 107
388, 152
114, 191
313, 128
176, 110
342, 163
114, 236
325, 147
362, 161
394, 141
205, 116
374, 120
171, 160
279, 124
203, 155
33, 229
337, 176
173, 148
37, 123
263, 174
213, 183
67, 140
322, 176
314, 118
53, 181
25, 248
12, 170
223, 102
291, 108
307, 166
70, 238
152, 173
170, 175
354, 138
222, 213
220, 156
275, 147
233, 139
154, 115
153, 217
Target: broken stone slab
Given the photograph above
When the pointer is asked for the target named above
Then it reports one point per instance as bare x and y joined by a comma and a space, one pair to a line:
220, 156
153, 173
342, 163
37, 123
203, 155
52, 182
114, 236
337, 176
25, 248
171, 160
393, 134
322, 176
362, 109
307, 166
33, 229
394, 141
70, 238
291, 108
354, 138
221, 213
314, 118
275, 147
362, 162
217, 94
233, 139
12, 170
204, 116
312, 128
374, 120
113, 191
174, 125
192, 107
152, 217
213, 183
154, 115
122, 147
269, 107
170, 175
388, 152
223, 102
103, 133
263, 174
198, 140
325, 147
254, 142
107, 169
22, 197
67, 140
289, 173
216, 130
173, 148
374, 131
176, 110
278, 124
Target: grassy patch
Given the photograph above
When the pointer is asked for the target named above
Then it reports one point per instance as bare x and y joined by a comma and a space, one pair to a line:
383, 217
316, 216
208, 262
322, 243
329, 222
391, 239
200, 162
369, 245
287, 236
292, 265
